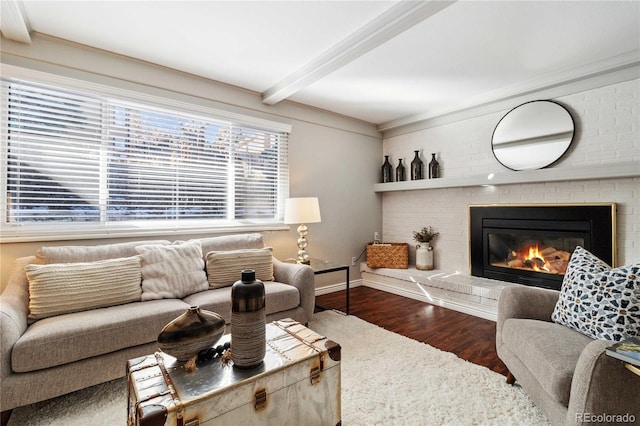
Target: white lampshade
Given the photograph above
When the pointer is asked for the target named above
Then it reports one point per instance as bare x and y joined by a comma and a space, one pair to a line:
301, 210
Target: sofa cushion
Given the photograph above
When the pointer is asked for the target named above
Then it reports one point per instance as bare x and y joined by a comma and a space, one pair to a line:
172, 271
550, 351
68, 254
231, 242
225, 267
71, 337
601, 302
278, 297
61, 288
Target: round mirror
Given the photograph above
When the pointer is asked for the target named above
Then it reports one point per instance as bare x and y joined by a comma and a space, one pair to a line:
533, 135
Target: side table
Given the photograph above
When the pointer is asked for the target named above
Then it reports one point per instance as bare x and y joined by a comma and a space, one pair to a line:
324, 267
633, 369
627, 351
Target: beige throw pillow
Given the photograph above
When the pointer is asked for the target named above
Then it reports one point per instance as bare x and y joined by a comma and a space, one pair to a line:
62, 288
172, 271
225, 267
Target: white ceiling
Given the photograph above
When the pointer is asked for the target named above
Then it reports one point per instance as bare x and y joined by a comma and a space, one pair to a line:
383, 62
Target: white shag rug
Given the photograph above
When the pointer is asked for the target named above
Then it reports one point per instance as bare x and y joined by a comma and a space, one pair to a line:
387, 379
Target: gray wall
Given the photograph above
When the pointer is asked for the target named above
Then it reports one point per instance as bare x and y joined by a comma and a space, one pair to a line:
333, 157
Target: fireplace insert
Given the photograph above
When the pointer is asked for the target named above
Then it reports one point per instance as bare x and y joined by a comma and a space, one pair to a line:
532, 244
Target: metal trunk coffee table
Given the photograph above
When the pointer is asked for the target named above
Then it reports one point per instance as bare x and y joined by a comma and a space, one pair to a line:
298, 383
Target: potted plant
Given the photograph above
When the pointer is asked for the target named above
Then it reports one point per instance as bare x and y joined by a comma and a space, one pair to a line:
424, 250
425, 235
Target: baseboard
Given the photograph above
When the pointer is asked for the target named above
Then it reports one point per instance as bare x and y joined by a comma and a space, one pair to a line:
486, 314
332, 288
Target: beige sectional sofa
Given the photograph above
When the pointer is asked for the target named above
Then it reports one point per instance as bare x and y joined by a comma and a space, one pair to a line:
45, 353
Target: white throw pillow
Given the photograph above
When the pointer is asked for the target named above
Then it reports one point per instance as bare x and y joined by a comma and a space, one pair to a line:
62, 288
172, 271
225, 267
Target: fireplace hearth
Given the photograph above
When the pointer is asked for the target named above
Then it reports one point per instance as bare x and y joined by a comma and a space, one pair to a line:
532, 244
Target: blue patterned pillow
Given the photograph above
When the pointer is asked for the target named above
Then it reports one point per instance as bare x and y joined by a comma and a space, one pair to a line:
598, 301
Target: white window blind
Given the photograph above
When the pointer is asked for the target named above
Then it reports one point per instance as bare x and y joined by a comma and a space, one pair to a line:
72, 157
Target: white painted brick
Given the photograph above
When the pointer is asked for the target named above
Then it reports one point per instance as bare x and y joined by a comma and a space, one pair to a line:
607, 132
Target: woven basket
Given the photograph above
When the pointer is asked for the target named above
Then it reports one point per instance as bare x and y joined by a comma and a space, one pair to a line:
388, 255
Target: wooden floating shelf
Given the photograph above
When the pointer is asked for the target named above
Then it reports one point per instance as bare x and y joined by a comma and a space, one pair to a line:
599, 171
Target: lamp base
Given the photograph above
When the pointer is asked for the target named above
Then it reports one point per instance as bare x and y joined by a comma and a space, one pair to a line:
303, 256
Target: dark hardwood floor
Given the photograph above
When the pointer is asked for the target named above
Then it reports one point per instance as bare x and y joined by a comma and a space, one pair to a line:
470, 338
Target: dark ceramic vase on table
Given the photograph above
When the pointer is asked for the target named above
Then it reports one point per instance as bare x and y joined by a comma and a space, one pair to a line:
190, 333
248, 321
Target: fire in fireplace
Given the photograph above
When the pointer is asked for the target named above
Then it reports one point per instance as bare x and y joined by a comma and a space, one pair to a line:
532, 244
545, 255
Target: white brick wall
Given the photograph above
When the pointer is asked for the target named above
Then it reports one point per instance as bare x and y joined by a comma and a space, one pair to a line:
607, 131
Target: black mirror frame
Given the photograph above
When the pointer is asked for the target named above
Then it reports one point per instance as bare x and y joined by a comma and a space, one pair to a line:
573, 134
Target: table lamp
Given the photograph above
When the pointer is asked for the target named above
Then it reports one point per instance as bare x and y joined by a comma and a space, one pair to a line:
302, 210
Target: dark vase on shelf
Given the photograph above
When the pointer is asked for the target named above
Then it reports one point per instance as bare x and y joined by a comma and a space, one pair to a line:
400, 172
434, 167
387, 170
417, 167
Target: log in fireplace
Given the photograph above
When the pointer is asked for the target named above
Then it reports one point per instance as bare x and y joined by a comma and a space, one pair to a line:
532, 244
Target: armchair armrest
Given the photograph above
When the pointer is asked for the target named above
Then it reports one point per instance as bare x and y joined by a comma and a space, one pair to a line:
602, 385
302, 278
14, 309
524, 302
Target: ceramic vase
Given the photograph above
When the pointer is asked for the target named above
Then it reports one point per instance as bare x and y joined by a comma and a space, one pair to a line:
434, 167
424, 257
387, 170
417, 167
248, 321
400, 172
190, 333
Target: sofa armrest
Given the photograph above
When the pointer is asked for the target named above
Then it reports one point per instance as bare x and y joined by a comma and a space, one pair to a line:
602, 385
302, 278
14, 309
524, 302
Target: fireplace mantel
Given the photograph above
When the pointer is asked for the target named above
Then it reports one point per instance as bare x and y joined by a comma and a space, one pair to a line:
600, 171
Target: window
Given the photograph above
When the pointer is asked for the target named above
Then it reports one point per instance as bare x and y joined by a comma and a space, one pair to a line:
85, 161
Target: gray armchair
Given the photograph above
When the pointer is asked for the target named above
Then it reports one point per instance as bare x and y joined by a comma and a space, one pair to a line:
567, 374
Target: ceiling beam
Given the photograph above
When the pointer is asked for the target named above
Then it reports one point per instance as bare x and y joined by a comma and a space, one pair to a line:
394, 21
13, 21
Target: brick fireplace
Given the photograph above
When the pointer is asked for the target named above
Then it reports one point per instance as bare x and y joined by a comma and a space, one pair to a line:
608, 136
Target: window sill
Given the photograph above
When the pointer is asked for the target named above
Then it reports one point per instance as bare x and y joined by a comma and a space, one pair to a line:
78, 233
